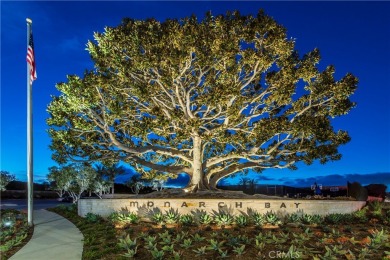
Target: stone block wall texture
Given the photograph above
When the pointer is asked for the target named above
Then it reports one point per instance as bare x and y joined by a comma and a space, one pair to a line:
104, 207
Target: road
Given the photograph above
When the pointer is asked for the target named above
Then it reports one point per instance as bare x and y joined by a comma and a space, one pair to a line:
21, 204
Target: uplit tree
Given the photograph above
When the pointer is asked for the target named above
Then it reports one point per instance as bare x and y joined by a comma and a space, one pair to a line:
75, 179
5, 178
208, 98
60, 179
110, 172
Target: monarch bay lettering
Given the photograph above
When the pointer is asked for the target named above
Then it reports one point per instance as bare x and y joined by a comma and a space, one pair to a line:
219, 204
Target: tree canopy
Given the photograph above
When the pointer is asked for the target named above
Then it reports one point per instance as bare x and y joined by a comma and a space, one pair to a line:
208, 98
5, 178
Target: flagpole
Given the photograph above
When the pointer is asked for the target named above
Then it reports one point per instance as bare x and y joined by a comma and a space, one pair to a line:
29, 138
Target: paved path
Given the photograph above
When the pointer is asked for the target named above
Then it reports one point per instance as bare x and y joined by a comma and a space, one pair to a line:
54, 238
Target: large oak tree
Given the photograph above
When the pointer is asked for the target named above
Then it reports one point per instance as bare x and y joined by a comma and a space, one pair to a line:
207, 98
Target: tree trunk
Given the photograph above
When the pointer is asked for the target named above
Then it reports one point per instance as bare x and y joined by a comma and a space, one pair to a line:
197, 175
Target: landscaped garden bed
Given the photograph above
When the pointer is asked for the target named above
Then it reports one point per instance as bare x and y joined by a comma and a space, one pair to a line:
14, 232
169, 235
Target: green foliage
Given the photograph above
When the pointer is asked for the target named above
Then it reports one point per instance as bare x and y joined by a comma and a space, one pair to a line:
317, 219
76, 179
376, 208
198, 238
188, 81
157, 254
334, 218
187, 243
131, 253
378, 239
202, 217
177, 255
172, 216
186, 220
361, 215
241, 220
294, 218
293, 242
215, 245
200, 251
272, 219
92, 218
223, 254
5, 178
13, 231
239, 250
127, 243
158, 218
223, 218
258, 219
127, 217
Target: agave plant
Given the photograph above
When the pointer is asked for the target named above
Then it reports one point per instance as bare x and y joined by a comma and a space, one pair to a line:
201, 217
272, 219
317, 219
215, 245
258, 219
294, 218
158, 218
361, 215
156, 254
200, 251
187, 243
239, 250
307, 219
172, 216
378, 239
127, 243
223, 219
241, 220
124, 217
198, 238
334, 218
205, 219
92, 218
186, 219
376, 207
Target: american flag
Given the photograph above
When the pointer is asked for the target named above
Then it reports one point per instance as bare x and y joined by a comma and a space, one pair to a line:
31, 59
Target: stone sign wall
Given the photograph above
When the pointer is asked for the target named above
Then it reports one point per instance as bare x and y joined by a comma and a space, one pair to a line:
104, 207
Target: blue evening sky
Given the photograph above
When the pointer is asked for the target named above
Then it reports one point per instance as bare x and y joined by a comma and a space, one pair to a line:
353, 36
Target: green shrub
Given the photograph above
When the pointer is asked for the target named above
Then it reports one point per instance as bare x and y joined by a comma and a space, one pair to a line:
172, 216
127, 243
376, 206
223, 218
272, 219
294, 218
334, 218
361, 215
205, 219
258, 219
92, 218
307, 219
158, 218
317, 219
241, 220
186, 219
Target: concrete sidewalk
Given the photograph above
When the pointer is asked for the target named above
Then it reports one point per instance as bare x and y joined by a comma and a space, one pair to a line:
54, 238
